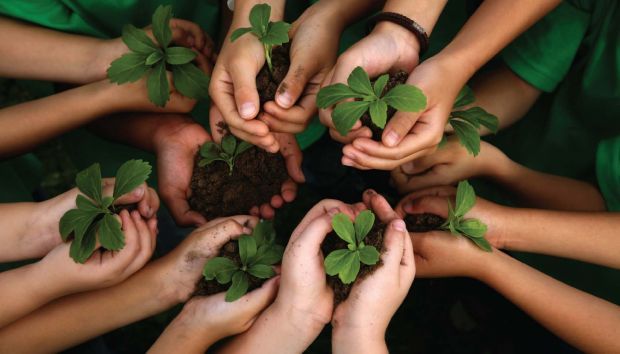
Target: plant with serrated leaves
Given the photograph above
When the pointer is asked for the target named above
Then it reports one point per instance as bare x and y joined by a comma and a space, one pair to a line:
456, 223
227, 151
147, 58
257, 252
346, 262
94, 217
368, 98
270, 34
466, 123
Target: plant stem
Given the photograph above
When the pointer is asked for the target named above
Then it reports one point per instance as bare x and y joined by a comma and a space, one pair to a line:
268, 57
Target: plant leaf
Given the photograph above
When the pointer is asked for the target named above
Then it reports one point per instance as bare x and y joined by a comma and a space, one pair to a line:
480, 117
269, 254
86, 204
406, 98
76, 219
347, 113
467, 134
369, 255
468, 116
221, 268
242, 147
465, 198
138, 41
89, 182
350, 268
359, 82
209, 149
363, 224
264, 233
261, 271
247, 249
239, 286
334, 261
154, 58
259, 18
465, 97
157, 85
110, 235
81, 249
380, 84
332, 94
472, 228
239, 32
378, 113
483, 244
190, 81
229, 144
161, 25
129, 67
129, 176
179, 55
343, 227
277, 33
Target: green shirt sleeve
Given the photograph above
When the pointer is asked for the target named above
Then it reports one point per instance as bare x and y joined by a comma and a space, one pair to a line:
543, 55
608, 172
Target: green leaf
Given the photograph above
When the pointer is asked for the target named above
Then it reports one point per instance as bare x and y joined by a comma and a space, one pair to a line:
179, 55
469, 116
480, 117
334, 261
81, 249
360, 82
465, 198
343, 227
209, 160
378, 113
330, 95
347, 113
86, 204
161, 25
239, 32
110, 235
264, 232
239, 286
154, 58
76, 221
483, 244
261, 271
363, 224
138, 41
269, 254
259, 17
242, 147
128, 68
229, 144
107, 201
129, 176
380, 84
190, 81
406, 98
277, 34
247, 249
209, 149
465, 97
220, 268
89, 182
350, 268
157, 85
473, 228
369, 255
467, 134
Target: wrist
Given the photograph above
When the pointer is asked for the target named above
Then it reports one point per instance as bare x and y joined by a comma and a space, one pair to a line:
105, 52
357, 340
407, 43
295, 323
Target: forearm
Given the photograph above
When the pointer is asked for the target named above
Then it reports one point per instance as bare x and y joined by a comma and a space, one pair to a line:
355, 342
425, 12
345, 12
584, 321
31, 52
181, 338
14, 225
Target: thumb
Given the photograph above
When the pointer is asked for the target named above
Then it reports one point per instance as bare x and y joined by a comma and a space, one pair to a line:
135, 196
257, 300
293, 85
398, 127
430, 205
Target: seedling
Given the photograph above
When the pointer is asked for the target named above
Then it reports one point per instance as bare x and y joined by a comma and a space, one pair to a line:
227, 151
467, 122
456, 223
147, 58
257, 253
368, 97
94, 217
346, 262
270, 34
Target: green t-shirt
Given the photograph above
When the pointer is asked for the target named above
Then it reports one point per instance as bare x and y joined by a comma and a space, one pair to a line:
608, 172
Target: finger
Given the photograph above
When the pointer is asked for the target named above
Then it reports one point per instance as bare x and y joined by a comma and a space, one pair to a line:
281, 126
310, 240
204, 64
430, 205
299, 114
247, 221
267, 142
325, 207
289, 148
394, 245
257, 300
135, 196
289, 190
182, 213
149, 205
132, 238
191, 28
407, 264
368, 161
380, 206
211, 239
144, 239
408, 150
276, 202
244, 85
440, 191
267, 212
348, 162
398, 127
294, 83
427, 180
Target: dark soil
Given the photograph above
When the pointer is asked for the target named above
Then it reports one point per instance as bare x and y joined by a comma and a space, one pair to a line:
423, 222
267, 83
229, 250
333, 242
395, 79
256, 178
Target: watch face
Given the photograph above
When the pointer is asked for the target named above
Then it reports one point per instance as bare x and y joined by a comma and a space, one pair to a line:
231, 4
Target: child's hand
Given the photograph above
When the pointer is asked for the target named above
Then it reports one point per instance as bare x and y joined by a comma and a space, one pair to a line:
104, 268
448, 165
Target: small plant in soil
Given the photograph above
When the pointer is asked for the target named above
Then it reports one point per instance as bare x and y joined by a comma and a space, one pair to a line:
251, 265
147, 58
93, 219
270, 34
227, 151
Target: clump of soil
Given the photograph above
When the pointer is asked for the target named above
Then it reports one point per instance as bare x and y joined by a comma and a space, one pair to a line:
395, 79
423, 222
257, 176
266, 82
333, 242
229, 250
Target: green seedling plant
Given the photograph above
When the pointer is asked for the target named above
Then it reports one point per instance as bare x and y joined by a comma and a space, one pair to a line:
467, 122
94, 219
147, 58
227, 151
258, 253
456, 223
270, 34
346, 262
368, 98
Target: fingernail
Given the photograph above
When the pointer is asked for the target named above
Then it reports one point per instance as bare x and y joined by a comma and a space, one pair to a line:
247, 231
138, 192
347, 162
350, 155
149, 212
247, 110
399, 225
391, 139
371, 192
333, 212
284, 100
